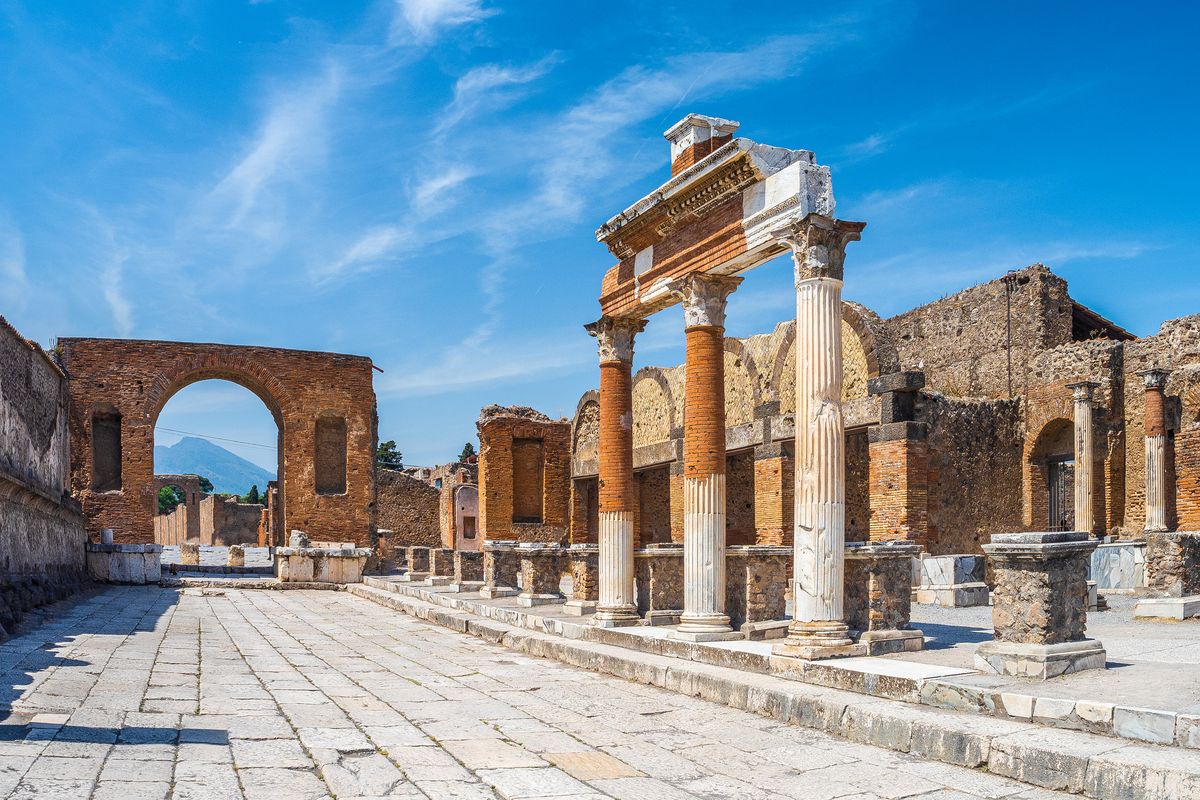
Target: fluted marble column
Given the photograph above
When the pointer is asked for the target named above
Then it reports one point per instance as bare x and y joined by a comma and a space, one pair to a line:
704, 617
1084, 394
1156, 450
616, 600
818, 629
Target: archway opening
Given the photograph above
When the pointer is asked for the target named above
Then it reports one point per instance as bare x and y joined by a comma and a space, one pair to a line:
1052, 477
217, 471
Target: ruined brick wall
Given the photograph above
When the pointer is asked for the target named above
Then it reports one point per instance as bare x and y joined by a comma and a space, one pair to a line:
974, 471
131, 381
652, 522
1049, 409
739, 499
41, 526
858, 486
224, 521
961, 342
499, 516
1176, 347
409, 508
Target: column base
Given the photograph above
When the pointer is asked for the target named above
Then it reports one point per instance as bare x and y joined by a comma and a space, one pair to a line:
466, 586
491, 592
615, 617
705, 628
882, 642
579, 608
530, 600
1039, 661
819, 639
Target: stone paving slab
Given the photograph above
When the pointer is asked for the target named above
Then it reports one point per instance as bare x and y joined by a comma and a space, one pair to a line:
405, 710
1033, 753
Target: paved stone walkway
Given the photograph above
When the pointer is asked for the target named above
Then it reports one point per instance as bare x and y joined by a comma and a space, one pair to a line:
154, 693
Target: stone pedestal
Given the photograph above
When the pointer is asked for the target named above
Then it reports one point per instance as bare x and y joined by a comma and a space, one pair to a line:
441, 566
585, 579
189, 554
136, 564
542, 567
878, 598
417, 559
1119, 566
468, 571
951, 581
754, 588
1172, 576
501, 564
658, 570
1039, 606
236, 557
320, 564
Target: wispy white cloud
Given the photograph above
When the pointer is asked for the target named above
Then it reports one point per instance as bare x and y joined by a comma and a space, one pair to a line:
423, 20
291, 140
436, 192
490, 88
12, 263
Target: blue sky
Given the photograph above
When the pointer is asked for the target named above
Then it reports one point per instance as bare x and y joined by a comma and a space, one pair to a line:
420, 181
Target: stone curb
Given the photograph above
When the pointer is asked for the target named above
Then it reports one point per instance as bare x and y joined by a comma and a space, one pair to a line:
1096, 766
247, 583
1152, 726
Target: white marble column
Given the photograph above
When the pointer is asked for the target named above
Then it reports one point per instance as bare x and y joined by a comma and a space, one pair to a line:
616, 593
1084, 393
1155, 380
818, 630
704, 299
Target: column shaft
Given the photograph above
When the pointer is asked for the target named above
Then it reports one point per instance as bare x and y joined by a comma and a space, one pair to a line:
616, 601
1156, 451
1085, 457
704, 483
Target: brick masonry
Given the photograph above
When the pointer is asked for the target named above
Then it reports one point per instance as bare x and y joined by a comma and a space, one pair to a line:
409, 508
498, 428
135, 379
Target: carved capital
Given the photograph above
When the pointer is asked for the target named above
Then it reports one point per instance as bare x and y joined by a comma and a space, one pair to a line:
818, 245
1083, 391
1155, 378
703, 298
614, 336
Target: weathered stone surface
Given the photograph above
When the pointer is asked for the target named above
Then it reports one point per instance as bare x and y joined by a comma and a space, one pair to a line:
1173, 563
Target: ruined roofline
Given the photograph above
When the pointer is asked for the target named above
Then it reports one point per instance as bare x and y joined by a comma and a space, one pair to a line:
1081, 315
69, 339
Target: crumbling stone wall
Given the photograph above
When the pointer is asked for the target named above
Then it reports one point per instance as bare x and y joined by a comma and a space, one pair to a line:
1173, 563
134, 379
653, 520
500, 516
409, 509
739, 499
858, 488
962, 342
974, 471
41, 526
1020, 610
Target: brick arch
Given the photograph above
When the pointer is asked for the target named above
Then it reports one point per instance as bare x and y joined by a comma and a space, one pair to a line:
881, 354
1054, 438
749, 395
658, 377
585, 425
137, 378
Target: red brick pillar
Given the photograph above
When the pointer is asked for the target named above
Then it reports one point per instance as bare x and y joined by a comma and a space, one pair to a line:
618, 498
899, 462
1156, 450
704, 616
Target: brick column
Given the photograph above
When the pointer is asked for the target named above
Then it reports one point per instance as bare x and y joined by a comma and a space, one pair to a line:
1156, 450
704, 617
618, 498
899, 462
1084, 393
818, 629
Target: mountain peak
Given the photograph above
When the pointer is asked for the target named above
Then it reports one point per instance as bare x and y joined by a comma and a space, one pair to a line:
229, 472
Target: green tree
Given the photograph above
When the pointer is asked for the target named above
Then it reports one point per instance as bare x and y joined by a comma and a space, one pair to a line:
467, 451
205, 485
168, 498
252, 496
388, 456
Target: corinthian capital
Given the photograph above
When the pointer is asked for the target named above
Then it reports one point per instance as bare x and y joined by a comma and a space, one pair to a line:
1154, 378
614, 336
703, 298
818, 245
1083, 391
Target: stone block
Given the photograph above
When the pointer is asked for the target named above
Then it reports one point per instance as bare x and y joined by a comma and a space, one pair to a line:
501, 567
189, 554
1119, 566
1038, 661
1144, 724
542, 569
237, 556
585, 578
1173, 563
658, 578
878, 595
1171, 608
468, 566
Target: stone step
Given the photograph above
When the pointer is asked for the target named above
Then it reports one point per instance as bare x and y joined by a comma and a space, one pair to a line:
195, 582
1097, 766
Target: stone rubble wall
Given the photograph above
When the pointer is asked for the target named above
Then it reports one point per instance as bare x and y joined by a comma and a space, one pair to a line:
41, 527
409, 508
1173, 563
1021, 612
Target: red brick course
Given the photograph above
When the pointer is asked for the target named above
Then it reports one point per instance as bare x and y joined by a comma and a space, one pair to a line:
704, 403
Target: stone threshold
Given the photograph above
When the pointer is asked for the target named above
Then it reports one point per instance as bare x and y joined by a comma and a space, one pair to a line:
935, 686
234, 582
1064, 760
